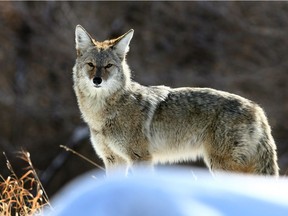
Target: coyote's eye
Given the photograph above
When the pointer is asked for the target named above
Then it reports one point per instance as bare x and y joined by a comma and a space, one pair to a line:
91, 64
108, 66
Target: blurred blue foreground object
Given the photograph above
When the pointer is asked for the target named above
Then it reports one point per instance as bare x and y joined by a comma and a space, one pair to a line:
172, 192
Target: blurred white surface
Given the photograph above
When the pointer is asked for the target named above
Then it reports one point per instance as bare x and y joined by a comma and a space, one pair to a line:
170, 192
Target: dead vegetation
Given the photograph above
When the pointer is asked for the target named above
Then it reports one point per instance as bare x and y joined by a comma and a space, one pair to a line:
23, 195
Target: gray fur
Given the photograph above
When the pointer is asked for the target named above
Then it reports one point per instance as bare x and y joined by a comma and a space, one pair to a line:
134, 124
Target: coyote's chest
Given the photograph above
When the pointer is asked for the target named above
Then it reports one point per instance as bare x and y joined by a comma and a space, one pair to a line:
108, 120
93, 113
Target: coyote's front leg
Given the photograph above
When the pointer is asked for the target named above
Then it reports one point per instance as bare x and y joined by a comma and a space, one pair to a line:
140, 159
129, 165
113, 163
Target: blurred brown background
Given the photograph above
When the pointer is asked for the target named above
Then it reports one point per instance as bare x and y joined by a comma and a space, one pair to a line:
240, 47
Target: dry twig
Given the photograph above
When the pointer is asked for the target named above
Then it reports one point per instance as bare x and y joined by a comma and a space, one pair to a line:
22, 196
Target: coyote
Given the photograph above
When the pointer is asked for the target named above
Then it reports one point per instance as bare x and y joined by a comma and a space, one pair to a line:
132, 124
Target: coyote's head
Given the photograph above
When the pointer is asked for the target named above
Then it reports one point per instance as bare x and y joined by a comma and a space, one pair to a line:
100, 66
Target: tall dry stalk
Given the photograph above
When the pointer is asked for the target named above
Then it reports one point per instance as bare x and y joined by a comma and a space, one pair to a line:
22, 196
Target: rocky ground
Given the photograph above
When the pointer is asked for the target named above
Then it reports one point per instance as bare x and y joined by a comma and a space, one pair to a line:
240, 47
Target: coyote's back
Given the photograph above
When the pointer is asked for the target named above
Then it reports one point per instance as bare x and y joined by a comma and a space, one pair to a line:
132, 124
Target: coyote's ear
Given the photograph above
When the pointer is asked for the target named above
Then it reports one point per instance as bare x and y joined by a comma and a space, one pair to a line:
83, 40
122, 43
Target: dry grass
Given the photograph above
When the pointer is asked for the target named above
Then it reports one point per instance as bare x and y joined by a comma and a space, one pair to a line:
23, 195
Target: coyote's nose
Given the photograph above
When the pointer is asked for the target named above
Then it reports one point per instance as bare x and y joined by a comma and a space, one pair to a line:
97, 80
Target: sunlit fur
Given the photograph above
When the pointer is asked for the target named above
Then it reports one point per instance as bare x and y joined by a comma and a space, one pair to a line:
132, 124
